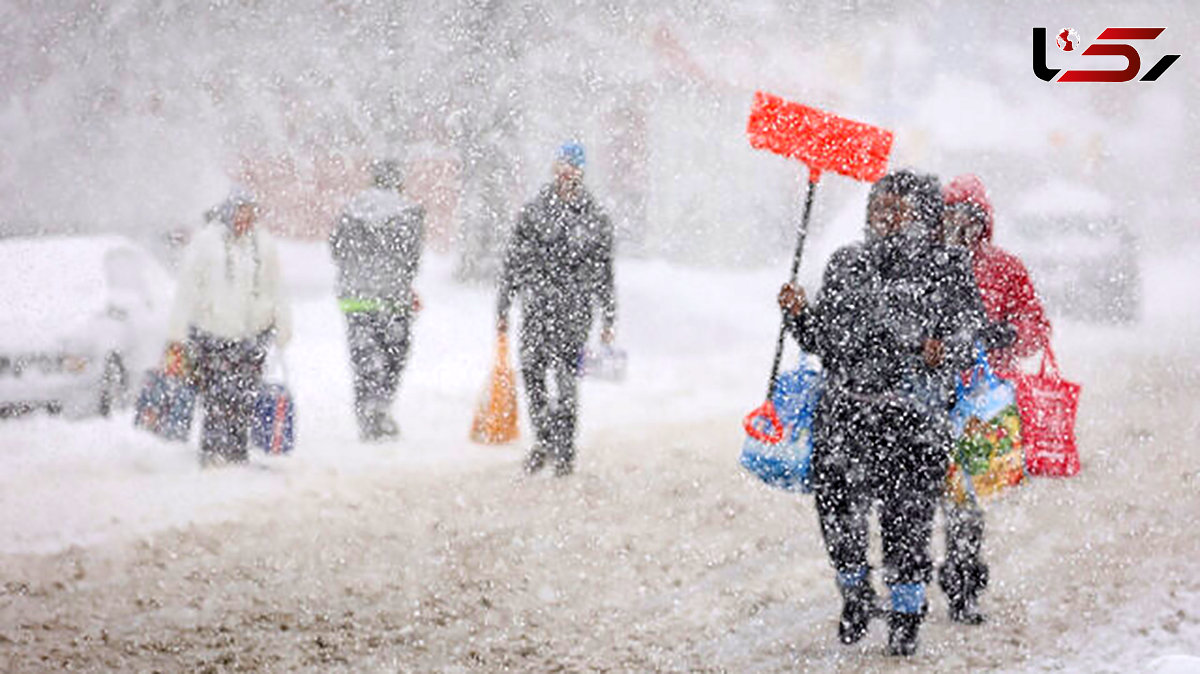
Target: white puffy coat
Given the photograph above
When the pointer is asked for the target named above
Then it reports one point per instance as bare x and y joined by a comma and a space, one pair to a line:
230, 287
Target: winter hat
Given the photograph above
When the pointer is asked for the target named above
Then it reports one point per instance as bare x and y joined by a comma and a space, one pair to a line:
571, 153
969, 188
238, 196
387, 174
924, 192
902, 182
928, 194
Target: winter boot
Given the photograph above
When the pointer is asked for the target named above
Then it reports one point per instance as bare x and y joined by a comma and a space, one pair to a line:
908, 610
902, 633
368, 422
564, 459
535, 460
962, 584
858, 606
386, 427
563, 466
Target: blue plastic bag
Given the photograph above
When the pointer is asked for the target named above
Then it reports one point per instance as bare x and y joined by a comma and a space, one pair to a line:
273, 428
787, 463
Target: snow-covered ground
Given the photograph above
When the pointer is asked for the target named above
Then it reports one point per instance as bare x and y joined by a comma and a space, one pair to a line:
433, 554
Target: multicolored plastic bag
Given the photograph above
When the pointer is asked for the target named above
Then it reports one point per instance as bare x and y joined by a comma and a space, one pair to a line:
495, 421
987, 456
1048, 405
165, 406
778, 445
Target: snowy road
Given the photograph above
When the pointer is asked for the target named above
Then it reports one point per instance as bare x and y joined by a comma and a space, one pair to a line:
432, 555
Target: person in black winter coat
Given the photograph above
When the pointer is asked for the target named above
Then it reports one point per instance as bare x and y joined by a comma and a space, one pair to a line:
560, 262
893, 324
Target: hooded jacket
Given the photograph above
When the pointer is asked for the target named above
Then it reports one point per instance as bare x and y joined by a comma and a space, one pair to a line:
882, 298
1004, 284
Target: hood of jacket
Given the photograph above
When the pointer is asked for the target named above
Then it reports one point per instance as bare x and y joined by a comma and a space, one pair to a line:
968, 188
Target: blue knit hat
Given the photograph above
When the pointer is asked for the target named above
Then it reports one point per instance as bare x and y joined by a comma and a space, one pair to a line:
572, 153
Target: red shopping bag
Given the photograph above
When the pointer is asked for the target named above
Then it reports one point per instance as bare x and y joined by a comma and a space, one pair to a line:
1048, 404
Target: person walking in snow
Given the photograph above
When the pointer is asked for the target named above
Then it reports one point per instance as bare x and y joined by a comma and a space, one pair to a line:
228, 308
1003, 281
1009, 300
889, 336
560, 262
376, 245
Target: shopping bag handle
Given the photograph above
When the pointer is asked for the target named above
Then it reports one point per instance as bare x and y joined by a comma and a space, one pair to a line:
275, 355
1048, 354
773, 434
981, 363
501, 349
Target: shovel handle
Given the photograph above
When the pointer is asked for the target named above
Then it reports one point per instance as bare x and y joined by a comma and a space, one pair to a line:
801, 235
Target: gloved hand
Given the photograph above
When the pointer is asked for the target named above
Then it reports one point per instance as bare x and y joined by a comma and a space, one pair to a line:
792, 299
933, 351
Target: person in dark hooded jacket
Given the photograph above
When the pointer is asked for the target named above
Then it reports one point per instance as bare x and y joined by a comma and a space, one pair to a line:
560, 263
893, 323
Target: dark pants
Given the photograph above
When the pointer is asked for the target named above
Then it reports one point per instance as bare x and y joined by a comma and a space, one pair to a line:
866, 453
964, 573
228, 376
379, 342
553, 416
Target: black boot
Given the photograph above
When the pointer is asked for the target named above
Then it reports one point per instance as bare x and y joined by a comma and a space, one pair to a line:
368, 424
535, 460
902, 633
858, 607
963, 584
387, 426
563, 467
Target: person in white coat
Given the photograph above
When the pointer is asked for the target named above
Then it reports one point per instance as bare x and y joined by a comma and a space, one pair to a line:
228, 308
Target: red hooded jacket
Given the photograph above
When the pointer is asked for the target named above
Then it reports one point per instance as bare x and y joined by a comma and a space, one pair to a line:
1003, 281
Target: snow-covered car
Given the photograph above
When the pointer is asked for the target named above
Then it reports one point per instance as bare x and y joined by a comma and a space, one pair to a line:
80, 316
1081, 254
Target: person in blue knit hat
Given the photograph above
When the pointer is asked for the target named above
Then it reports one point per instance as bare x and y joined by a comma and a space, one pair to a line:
559, 262
572, 154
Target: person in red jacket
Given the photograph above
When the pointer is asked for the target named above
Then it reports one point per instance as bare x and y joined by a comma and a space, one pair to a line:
1008, 299
1004, 284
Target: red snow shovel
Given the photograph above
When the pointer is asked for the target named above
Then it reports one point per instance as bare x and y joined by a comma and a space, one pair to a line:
823, 142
